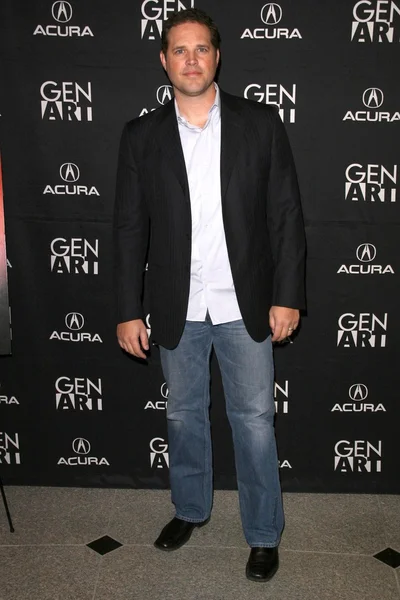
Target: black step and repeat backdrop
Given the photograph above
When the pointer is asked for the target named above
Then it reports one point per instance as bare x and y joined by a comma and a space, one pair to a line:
74, 409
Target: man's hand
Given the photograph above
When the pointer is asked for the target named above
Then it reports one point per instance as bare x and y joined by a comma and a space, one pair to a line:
129, 334
283, 321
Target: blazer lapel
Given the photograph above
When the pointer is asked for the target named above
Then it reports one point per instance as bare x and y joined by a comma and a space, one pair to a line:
168, 139
232, 138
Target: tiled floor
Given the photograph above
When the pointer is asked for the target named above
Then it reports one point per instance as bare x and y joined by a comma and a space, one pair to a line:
327, 551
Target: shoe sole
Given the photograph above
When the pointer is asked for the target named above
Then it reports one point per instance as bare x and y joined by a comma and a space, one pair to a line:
262, 579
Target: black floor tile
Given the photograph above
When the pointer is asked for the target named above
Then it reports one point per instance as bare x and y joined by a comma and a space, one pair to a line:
104, 545
389, 557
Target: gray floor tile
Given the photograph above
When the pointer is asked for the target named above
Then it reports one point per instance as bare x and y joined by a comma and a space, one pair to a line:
48, 573
52, 515
136, 573
333, 523
139, 515
390, 506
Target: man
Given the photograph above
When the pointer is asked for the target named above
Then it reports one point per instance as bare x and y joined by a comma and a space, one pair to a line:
209, 179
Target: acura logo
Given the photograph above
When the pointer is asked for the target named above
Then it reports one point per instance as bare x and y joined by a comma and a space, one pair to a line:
164, 390
74, 321
373, 98
164, 94
81, 446
358, 391
271, 14
366, 252
61, 11
69, 172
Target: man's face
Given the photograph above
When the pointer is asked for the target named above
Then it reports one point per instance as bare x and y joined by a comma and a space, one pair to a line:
191, 59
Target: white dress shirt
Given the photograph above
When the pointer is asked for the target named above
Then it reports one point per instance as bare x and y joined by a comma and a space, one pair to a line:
211, 283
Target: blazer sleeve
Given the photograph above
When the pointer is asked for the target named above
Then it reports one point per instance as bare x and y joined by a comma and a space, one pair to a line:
285, 223
130, 234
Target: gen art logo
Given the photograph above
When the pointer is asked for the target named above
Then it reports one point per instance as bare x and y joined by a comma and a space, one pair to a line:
82, 449
365, 330
366, 254
271, 16
377, 21
70, 174
358, 456
75, 256
372, 98
9, 449
281, 396
62, 13
77, 394
371, 183
357, 401
66, 101
155, 12
159, 453
273, 93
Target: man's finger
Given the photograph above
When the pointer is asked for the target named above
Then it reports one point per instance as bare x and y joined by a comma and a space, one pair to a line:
132, 347
292, 328
272, 322
137, 351
126, 346
144, 339
277, 333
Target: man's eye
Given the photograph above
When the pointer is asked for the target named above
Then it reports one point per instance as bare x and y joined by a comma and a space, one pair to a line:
202, 49
179, 51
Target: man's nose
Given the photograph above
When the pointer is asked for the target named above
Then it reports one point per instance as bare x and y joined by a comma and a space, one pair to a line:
191, 58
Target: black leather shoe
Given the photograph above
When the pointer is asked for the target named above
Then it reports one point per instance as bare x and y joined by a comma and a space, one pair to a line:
176, 533
262, 565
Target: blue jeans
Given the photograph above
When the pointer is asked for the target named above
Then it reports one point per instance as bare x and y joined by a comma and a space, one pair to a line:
248, 376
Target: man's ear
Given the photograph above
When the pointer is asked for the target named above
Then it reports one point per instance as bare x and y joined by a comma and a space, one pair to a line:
163, 61
218, 56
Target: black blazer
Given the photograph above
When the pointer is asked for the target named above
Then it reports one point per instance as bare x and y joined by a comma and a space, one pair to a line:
261, 213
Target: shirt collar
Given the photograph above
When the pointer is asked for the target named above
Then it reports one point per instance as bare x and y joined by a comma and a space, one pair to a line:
215, 108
